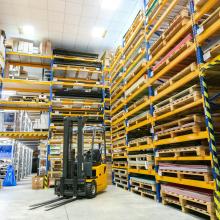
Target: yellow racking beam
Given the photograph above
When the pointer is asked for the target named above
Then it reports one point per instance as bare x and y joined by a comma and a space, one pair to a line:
120, 167
118, 129
119, 157
206, 7
117, 96
75, 68
138, 125
183, 138
24, 135
200, 184
208, 32
117, 109
134, 48
114, 73
75, 80
140, 148
29, 55
189, 158
138, 28
36, 65
178, 110
134, 63
72, 102
77, 58
87, 85
176, 85
77, 115
161, 19
150, 21
116, 59
144, 172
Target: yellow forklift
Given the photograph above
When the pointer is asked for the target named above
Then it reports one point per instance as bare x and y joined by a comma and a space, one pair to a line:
84, 173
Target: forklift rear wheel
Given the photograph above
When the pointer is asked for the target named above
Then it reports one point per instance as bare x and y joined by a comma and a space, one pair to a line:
91, 190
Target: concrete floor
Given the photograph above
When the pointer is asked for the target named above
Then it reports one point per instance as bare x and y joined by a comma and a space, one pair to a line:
114, 204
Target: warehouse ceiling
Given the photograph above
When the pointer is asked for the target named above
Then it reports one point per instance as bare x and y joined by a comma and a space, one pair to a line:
70, 24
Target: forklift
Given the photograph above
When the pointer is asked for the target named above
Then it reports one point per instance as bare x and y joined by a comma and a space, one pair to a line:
84, 173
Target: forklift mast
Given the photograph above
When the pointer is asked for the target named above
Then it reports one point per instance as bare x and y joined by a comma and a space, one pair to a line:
68, 152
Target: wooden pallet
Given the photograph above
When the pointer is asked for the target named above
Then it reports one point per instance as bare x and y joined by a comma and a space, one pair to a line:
142, 185
118, 134
135, 56
119, 154
187, 203
137, 103
139, 18
118, 115
144, 193
183, 152
140, 141
120, 171
123, 186
192, 67
146, 166
177, 24
175, 52
121, 180
141, 157
119, 143
201, 176
120, 164
138, 65
118, 126
136, 86
181, 99
117, 103
189, 124
139, 118
136, 44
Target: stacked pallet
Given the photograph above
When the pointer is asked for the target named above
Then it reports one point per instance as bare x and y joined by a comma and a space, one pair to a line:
119, 154
207, 20
168, 132
180, 135
140, 152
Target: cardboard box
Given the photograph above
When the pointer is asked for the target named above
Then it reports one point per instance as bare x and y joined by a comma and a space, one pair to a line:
37, 182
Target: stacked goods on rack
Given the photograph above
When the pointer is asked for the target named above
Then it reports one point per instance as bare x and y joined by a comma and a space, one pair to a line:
78, 89
188, 199
140, 151
144, 187
180, 134
29, 47
118, 135
206, 18
169, 134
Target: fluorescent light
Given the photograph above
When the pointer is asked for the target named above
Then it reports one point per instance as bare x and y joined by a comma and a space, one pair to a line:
98, 32
27, 30
110, 4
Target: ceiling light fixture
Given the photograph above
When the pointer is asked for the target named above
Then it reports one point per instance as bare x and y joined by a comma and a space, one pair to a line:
26, 30
99, 32
110, 4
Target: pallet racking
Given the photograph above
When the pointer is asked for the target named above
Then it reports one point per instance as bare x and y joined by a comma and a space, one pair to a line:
168, 109
48, 96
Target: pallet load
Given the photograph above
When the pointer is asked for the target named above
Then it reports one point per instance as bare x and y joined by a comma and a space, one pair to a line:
169, 100
118, 135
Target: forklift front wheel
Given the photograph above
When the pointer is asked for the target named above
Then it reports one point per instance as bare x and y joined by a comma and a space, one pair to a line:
91, 190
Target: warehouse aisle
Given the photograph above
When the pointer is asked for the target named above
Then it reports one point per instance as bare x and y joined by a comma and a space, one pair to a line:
114, 204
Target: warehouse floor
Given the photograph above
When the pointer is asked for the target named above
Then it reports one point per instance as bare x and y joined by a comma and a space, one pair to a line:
114, 204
